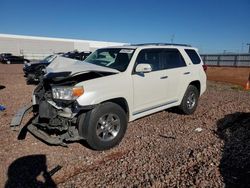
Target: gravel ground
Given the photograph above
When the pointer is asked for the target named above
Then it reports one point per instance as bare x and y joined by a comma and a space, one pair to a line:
166, 149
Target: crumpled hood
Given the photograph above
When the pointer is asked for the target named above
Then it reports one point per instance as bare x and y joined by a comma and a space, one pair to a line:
62, 64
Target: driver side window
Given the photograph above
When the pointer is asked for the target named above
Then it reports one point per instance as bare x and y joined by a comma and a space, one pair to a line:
151, 57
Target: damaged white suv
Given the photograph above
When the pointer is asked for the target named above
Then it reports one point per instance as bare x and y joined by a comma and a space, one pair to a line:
95, 99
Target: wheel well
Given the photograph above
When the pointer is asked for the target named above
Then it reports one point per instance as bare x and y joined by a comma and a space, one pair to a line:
197, 84
122, 103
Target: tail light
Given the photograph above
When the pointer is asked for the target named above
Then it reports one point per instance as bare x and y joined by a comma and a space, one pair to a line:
204, 67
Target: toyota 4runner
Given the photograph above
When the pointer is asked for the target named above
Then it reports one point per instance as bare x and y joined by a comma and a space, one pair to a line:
94, 100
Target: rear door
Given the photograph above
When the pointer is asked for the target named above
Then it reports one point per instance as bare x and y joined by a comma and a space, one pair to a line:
177, 73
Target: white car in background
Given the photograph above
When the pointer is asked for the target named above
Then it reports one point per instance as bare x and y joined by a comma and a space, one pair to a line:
95, 99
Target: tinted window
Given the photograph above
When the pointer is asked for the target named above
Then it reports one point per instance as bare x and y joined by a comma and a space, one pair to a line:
193, 56
150, 56
173, 59
6, 55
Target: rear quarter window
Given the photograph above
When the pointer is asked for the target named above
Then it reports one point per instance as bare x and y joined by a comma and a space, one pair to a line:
193, 56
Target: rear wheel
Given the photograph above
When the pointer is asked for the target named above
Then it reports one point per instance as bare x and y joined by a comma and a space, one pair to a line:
190, 100
105, 125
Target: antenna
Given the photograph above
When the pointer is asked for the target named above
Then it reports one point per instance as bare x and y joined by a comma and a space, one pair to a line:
248, 44
172, 38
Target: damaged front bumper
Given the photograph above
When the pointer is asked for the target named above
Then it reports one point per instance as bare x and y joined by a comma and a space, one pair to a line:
53, 124
55, 121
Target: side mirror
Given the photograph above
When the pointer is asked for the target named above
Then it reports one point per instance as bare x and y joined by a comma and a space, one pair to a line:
143, 68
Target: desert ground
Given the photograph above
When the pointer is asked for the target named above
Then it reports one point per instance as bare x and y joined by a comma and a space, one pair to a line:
233, 75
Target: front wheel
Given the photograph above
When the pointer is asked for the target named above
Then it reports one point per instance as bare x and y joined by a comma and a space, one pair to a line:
106, 126
190, 100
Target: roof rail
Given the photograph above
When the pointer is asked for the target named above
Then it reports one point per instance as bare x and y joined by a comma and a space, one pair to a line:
161, 44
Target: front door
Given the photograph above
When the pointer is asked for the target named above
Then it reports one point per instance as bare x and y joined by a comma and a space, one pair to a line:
149, 88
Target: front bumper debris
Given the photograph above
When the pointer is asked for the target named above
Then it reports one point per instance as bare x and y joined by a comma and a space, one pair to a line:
47, 125
44, 136
71, 135
17, 119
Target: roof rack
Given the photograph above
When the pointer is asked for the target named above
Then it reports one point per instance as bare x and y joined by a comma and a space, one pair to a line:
161, 44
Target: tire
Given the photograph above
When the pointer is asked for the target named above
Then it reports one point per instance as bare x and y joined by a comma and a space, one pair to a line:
8, 62
190, 100
105, 126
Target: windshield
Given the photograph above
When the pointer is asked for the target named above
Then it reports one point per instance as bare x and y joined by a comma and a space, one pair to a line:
115, 58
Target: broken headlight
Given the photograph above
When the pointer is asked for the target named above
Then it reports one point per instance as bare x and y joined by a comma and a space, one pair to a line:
67, 93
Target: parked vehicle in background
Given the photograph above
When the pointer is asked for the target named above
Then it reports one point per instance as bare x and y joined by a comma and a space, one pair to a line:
96, 99
34, 70
77, 55
8, 58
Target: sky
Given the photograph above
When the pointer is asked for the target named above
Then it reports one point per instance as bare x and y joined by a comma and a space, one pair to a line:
213, 26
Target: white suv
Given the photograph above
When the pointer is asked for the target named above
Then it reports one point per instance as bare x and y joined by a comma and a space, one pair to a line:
95, 99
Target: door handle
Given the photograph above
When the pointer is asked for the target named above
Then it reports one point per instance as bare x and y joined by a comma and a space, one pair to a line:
185, 73
164, 77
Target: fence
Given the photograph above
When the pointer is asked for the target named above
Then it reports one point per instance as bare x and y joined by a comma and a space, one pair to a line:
229, 60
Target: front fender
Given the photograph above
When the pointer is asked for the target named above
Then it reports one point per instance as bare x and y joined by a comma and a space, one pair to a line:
94, 99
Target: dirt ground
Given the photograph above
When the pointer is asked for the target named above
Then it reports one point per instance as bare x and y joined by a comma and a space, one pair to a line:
233, 75
161, 150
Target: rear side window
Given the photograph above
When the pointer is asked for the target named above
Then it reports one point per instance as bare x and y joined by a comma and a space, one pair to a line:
173, 59
193, 56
